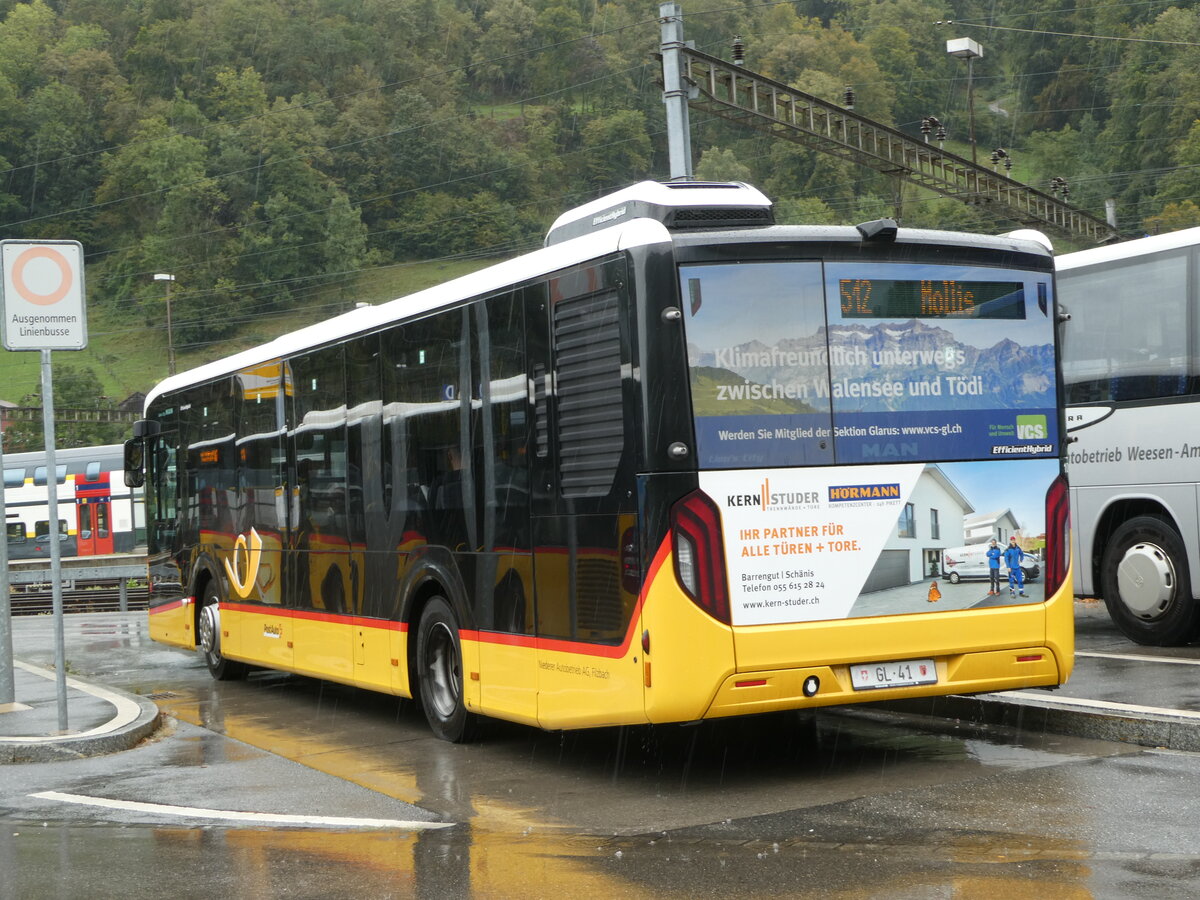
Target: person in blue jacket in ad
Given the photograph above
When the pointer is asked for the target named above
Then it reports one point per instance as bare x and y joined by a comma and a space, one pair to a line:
1013, 555
993, 557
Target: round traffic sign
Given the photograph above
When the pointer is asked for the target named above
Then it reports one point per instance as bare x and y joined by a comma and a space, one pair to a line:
34, 276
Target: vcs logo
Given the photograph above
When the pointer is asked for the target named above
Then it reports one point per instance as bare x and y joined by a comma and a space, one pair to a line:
1032, 428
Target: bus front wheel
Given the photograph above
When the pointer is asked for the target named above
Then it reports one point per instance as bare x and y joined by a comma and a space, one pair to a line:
1147, 588
440, 672
208, 632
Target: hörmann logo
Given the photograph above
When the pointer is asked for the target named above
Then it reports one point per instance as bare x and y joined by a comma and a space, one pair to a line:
1032, 428
768, 499
845, 493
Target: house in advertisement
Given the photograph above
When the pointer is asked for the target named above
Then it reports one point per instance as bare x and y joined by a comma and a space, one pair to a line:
931, 520
1000, 524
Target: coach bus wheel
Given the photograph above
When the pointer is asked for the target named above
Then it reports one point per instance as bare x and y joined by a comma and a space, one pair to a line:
208, 633
440, 671
1146, 584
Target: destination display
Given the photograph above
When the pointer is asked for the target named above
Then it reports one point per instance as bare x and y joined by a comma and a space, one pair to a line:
890, 298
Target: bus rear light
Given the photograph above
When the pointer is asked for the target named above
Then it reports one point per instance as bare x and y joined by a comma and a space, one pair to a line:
700, 554
1058, 534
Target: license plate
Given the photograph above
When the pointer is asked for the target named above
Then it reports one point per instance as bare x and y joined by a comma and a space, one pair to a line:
909, 672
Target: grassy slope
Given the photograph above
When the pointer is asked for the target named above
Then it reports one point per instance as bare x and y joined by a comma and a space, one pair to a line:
128, 358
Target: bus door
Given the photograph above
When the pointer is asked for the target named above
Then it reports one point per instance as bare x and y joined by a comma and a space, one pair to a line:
501, 566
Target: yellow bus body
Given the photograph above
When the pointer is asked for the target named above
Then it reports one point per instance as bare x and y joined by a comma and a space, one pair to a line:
696, 667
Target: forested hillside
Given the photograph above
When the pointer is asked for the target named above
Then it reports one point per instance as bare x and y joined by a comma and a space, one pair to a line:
277, 155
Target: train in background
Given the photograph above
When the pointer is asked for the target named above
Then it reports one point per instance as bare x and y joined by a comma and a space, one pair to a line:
97, 513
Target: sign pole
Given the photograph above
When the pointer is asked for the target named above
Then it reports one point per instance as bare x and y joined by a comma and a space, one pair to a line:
42, 308
60, 660
7, 685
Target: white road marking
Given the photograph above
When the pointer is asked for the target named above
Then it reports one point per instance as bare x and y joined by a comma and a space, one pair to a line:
1107, 705
126, 710
230, 815
1099, 654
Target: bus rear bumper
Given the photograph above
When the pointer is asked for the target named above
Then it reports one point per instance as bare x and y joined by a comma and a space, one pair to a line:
783, 689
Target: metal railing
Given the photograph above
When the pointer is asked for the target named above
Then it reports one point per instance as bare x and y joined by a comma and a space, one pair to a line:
740, 95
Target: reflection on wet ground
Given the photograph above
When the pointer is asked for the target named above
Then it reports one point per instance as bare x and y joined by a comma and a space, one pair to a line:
848, 804
204, 863
649, 777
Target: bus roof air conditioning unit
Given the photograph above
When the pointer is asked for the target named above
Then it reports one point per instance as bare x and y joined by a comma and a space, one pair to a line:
677, 205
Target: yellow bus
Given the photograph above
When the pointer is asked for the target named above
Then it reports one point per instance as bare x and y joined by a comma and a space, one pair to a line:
680, 463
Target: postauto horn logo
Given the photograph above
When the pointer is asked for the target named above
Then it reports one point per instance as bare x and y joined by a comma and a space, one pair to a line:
1032, 428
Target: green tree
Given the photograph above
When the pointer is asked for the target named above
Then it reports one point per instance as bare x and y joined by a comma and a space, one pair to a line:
76, 392
1155, 101
616, 150
721, 165
1173, 217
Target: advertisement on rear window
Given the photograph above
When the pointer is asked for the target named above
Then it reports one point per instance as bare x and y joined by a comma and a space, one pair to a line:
802, 363
806, 545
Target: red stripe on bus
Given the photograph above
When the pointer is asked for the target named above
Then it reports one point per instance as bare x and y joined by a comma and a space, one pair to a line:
580, 648
316, 615
167, 607
560, 645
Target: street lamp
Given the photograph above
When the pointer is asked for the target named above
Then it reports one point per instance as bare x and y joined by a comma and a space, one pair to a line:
968, 49
169, 279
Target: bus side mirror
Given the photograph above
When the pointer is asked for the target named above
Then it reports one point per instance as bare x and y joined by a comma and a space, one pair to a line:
135, 463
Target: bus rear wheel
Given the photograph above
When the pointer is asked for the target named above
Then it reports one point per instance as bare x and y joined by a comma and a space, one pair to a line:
208, 633
1146, 584
440, 673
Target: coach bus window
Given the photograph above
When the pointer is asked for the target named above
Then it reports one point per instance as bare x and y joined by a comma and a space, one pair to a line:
1118, 349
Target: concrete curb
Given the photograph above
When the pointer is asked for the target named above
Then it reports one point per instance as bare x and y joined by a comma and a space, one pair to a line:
1037, 711
134, 719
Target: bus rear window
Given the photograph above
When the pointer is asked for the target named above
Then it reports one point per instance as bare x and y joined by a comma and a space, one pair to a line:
803, 363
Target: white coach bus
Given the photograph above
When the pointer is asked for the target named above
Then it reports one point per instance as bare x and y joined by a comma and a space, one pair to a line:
1131, 367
